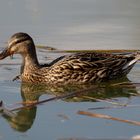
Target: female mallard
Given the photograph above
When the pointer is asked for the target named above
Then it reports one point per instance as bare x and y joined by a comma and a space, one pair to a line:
75, 68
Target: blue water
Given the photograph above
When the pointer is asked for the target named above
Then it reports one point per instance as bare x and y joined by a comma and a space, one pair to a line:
63, 24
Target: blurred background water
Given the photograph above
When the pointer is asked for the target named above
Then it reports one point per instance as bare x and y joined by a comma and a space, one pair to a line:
74, 24
67, 25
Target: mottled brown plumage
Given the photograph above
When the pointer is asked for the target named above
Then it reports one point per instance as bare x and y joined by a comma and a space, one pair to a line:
76, 68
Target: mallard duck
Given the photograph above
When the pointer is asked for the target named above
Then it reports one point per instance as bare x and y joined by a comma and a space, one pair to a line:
76, 68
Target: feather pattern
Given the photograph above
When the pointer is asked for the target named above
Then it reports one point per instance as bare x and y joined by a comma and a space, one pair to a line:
88, 67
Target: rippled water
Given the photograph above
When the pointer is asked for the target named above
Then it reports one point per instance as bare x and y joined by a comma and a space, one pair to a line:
75, 24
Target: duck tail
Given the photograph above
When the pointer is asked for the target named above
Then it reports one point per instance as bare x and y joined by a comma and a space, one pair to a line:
133, 61
137, 55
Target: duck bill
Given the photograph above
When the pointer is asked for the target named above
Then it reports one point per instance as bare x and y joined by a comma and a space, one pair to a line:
5, 53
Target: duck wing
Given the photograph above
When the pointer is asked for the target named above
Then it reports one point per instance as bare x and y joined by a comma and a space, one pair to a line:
85, 67
92, 60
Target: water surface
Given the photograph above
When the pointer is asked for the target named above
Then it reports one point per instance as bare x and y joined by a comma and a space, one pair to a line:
66, 25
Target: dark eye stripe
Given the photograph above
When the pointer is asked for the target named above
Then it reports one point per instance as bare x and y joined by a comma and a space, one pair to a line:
16, 41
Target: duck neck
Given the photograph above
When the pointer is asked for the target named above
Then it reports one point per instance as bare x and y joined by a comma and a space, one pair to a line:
30, 62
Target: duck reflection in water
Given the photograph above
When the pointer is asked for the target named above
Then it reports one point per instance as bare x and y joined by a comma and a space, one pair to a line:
24, 118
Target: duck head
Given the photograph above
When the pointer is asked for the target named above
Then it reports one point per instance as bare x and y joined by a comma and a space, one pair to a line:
19, 43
